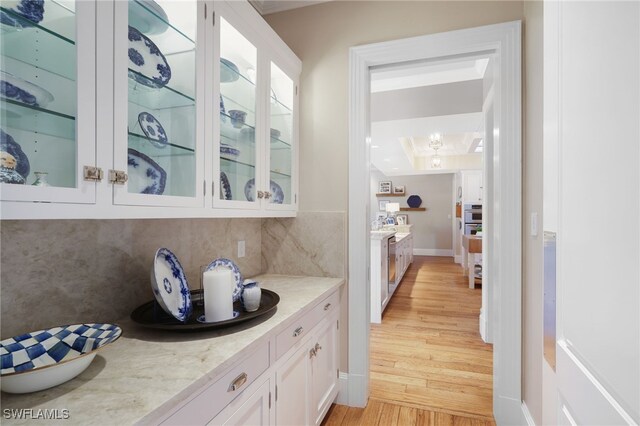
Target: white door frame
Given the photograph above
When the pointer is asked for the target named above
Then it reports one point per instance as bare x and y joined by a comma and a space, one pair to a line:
504, 42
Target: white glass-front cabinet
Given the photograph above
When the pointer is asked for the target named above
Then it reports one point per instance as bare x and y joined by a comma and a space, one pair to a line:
192, 104
256, 135
158, 108
47, 101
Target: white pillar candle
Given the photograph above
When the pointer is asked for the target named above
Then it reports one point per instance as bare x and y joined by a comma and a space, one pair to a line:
218, 295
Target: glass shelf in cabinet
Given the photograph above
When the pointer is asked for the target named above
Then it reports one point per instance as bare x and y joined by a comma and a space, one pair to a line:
285, 110
171, 40
151, 98
142, 144
229, 130
241, 78
230, 166
231, 104
280, 173
34, 119
40, 47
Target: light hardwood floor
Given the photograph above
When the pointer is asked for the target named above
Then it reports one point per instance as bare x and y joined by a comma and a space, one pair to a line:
429, 365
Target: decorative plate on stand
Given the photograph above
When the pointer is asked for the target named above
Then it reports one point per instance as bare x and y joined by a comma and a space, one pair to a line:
169, 284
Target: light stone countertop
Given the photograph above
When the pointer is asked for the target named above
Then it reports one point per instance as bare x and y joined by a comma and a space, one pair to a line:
145, 368
380, 235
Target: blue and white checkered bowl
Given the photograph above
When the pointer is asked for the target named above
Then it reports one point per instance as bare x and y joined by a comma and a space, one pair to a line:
46, 358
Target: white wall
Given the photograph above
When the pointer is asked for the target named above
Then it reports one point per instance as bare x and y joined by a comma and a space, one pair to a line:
532, 362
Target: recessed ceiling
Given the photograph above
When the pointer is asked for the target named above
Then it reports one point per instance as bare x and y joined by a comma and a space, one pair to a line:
266, 7
405, 77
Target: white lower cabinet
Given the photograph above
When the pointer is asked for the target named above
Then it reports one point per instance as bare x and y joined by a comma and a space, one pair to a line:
297, 388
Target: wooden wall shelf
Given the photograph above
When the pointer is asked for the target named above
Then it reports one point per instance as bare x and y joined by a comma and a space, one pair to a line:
390, 195
413, 209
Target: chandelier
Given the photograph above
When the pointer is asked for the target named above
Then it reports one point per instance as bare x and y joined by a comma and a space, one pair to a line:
435, 143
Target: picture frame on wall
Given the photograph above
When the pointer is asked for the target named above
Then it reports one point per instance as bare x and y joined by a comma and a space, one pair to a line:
403, 219
384, 187
382, 205
399, 189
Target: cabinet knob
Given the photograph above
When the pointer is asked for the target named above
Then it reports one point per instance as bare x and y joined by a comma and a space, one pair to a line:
312, 353
327, 306
237, 382
260, 194
298, 331
317, 347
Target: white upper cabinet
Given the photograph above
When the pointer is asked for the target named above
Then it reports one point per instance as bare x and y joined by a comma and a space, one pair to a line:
47, 102
255, 96
192, 104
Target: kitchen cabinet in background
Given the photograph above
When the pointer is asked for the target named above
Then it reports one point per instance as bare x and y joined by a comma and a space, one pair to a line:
472, 186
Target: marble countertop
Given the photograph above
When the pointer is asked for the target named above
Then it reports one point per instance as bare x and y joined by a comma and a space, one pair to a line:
145, 368
401, 236
380, 235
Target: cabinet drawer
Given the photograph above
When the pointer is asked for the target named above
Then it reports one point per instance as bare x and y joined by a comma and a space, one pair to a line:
301, 327
209, 403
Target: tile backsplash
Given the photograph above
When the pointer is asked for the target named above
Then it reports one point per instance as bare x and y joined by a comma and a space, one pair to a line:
55, 272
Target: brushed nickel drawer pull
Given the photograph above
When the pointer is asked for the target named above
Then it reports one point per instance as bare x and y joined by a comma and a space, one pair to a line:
312, 353
327, 306
239, 381
298, 331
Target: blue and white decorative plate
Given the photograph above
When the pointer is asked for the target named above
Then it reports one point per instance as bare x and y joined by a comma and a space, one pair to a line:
145, 175
149, 19
250, 190
153, 130
147, 65
19, 90
202, 320
225, 187
22, 13
228, 71
8, 144
228, 150
46, 358
169, 284
414, 201
229, 264
11, 176
277, 193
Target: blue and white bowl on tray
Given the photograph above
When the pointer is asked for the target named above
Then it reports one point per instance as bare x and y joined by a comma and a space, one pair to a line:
235, 271
169, 284
46, 358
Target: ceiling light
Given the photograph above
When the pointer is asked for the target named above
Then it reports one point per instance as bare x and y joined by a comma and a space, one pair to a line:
375, 146
435, 143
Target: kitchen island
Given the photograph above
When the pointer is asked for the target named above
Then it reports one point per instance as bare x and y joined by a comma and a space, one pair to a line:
147, 374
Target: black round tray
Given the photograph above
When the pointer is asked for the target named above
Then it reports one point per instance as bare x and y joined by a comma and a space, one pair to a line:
151, 315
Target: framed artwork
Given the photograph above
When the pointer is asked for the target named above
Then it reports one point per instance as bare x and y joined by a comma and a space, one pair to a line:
403, 219
384, 187
398, 189
382, 205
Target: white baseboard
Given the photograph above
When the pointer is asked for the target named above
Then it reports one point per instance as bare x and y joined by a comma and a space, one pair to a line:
357, 385
458, 259
433, 252
527, 418
343, 389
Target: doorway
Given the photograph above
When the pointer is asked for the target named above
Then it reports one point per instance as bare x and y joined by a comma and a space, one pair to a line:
503, 189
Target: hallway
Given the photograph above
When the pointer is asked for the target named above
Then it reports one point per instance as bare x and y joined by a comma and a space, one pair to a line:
428, 363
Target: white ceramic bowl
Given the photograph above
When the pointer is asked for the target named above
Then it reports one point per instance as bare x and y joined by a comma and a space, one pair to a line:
46, 358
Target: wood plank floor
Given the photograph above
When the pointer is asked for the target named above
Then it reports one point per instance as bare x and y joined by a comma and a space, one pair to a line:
429, 365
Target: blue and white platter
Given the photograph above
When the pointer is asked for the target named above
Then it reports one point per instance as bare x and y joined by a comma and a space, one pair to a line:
274, 188
9, 145
229, 71
169, 284
25, 92
46, 358
150, 18
228, 150
235, 271
147, 65
225, 187
145, 175
153, 130
21, 13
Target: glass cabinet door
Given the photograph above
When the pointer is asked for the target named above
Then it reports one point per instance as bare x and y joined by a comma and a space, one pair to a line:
238, 150
162, 156
281, 147
47, 101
